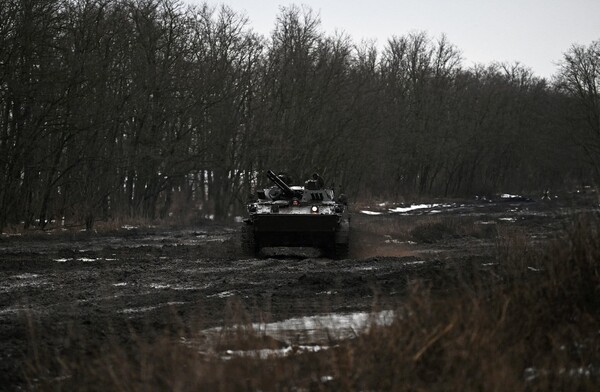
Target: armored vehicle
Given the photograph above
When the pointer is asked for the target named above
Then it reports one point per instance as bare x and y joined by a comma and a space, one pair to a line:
308, 215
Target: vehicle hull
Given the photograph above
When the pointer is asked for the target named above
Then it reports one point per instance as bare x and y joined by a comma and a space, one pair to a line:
296, 223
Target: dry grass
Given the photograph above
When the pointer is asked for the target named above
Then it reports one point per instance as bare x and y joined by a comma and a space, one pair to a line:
536, 328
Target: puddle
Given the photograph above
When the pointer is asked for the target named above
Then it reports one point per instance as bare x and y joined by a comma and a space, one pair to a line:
317, 329
301, 335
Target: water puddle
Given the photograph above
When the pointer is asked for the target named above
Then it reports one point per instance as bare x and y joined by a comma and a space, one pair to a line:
293, 336
312, 330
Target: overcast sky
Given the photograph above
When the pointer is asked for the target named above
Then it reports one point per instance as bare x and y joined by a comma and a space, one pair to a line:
534, 32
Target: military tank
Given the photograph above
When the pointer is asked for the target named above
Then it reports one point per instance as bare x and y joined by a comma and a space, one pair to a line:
290, 216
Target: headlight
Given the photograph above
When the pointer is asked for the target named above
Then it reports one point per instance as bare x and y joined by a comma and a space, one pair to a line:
314, 209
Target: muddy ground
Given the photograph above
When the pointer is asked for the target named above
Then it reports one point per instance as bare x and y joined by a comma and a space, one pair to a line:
65, 290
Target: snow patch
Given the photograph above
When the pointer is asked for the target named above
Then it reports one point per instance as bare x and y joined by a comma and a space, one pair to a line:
318, 328
159, 286
223, 294
415, 207
367, 212
508, 219
509, 196
26, 276
417, 262
273, 353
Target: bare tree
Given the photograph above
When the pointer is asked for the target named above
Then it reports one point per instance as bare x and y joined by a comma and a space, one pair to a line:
579, 77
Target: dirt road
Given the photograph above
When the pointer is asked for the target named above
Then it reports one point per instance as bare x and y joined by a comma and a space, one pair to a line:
150, 280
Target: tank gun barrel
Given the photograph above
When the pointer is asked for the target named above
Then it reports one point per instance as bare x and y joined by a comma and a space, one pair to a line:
287, 191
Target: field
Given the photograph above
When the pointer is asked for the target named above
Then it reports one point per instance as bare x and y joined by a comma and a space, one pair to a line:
494, 295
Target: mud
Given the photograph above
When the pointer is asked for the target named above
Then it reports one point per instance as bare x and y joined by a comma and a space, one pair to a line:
64, 291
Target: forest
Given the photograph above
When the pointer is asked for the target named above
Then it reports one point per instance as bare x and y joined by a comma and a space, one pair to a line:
123, 109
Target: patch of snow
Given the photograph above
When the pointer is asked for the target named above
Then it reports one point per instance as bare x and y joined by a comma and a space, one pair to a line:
223, 294
416, 207
319, 328
138, 310
182, 288
11, 310
159, 286
219, 239
273, 353
508, 219
120, 284
128, 227
417, 262
61, 260
26, 276
86, 259
485, 223
7, 287
509, 196
366, 212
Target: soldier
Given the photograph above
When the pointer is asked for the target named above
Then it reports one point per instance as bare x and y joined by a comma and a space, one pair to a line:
318, 180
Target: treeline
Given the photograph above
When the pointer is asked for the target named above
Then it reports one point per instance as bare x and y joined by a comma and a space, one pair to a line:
142, 108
